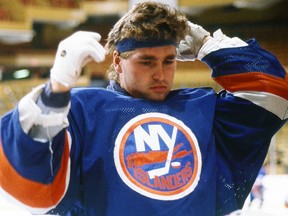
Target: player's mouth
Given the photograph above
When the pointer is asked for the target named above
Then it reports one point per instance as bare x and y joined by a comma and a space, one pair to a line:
159, 88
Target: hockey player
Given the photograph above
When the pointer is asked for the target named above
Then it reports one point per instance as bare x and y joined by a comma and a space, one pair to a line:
138, 147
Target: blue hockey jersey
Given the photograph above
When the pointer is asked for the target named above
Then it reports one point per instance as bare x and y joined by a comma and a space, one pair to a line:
196, 153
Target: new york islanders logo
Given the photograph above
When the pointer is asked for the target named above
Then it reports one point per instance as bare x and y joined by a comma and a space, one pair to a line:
158, 156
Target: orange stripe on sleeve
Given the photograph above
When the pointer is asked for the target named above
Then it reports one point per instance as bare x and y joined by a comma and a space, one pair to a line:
34, 194
255, 81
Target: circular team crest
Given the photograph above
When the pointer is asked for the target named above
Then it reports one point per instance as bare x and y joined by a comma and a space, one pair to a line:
158, 156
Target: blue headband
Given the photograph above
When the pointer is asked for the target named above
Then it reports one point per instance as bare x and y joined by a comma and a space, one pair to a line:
129, 44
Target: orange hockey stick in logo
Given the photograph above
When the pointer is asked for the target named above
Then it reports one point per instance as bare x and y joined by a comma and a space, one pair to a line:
139, 159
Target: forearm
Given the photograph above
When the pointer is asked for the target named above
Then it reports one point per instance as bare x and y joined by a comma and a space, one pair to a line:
217, 42
234, 66
249, 72
38, 167
42, 113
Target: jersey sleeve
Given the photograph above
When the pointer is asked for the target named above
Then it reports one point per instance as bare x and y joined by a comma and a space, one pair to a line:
34, 173
252, 73
250, 109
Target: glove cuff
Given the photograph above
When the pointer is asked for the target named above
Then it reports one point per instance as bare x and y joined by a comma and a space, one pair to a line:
60, 76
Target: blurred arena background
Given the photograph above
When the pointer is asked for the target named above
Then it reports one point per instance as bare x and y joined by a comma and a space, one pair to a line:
30, 31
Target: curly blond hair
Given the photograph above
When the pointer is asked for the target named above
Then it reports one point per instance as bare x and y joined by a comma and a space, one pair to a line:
147, 21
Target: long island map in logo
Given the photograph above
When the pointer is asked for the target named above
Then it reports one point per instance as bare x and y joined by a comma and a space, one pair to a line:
158, 156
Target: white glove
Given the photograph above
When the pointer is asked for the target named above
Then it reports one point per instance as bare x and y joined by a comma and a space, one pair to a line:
73, 54
189, 47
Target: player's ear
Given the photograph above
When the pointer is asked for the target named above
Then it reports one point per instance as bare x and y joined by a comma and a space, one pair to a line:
117, 61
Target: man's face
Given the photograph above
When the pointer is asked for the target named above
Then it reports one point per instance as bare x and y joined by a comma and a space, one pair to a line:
148, 73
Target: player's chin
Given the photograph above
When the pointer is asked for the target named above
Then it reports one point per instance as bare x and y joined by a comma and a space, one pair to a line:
157, 93
157, 96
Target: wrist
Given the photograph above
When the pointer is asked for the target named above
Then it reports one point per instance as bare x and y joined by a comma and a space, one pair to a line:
205, 39
56, 86
54, 99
